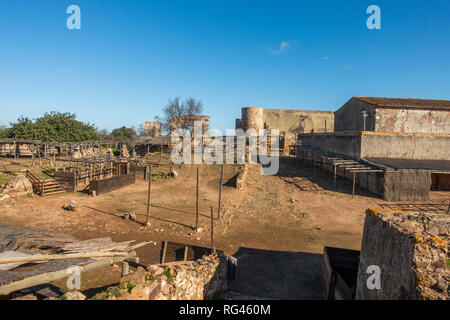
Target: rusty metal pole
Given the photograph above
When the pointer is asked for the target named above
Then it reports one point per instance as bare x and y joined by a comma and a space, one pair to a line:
148, 197
220, 192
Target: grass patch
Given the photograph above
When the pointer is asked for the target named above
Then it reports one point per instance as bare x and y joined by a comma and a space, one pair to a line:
150, 277
158, 176
129, 286
170, 275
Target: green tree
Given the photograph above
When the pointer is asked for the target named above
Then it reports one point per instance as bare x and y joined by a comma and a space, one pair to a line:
4, 132
124, 134
54, 126
22, 129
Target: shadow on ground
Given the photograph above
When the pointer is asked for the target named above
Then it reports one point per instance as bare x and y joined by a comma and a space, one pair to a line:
320, 179
277, 274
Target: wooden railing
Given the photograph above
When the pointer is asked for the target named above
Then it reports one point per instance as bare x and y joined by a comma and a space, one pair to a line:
43, 187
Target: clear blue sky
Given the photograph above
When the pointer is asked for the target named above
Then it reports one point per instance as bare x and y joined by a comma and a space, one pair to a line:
131, 56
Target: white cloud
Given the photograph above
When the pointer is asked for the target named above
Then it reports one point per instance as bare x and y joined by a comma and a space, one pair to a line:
283, 47
347, 66
63, 70
326, 58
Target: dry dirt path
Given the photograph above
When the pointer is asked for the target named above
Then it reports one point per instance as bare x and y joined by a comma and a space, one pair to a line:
277, 226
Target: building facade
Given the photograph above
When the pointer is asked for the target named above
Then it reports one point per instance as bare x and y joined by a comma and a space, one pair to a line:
394, 115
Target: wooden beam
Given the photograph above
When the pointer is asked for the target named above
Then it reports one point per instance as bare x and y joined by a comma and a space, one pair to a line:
61, 274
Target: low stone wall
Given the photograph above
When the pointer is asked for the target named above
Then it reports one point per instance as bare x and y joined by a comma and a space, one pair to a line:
240, 180
411, 251
198, 280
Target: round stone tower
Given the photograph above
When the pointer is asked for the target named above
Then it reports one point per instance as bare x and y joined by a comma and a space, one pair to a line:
252, 118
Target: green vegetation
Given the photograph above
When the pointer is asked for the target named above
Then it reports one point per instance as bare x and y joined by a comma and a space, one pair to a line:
170, 275
129, 286
53, 126
448, 263
150, 277
4, 132
158, 176
124, 134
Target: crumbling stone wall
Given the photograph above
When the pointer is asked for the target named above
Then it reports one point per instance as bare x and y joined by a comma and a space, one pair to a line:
411, 250
240, 179
153, 128
199, 280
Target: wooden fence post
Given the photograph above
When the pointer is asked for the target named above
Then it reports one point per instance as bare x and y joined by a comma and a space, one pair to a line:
212, 231
196, 203
220, 192
148, 198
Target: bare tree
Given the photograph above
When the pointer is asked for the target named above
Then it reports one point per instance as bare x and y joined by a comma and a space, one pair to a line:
180, 114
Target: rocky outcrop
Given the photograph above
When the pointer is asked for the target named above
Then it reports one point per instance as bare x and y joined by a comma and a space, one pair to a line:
199, 280
410, 252
18, 185
124, 151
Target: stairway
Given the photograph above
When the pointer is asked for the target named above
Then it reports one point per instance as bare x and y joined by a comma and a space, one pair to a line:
46, 187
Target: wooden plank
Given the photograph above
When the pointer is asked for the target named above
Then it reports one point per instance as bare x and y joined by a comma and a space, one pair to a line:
61, 274
164, 250
62, 257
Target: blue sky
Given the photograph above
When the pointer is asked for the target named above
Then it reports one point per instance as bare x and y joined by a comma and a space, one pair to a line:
131, 56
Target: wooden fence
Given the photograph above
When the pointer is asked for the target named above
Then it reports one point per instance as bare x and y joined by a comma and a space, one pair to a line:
111, 184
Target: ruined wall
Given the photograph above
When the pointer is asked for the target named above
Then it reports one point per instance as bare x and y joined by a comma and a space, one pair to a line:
350, 118
199, 280
412, 120
153, 128
411, 251
299, 120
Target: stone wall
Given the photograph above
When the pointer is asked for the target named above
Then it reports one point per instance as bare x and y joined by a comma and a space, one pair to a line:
199, 280
348, 143
391, 119
417, 146
299, 121
286, 120
152, 128
350, 118
411, 250
240, 179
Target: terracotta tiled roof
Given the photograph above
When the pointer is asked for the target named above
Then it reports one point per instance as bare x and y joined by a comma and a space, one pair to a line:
407, 103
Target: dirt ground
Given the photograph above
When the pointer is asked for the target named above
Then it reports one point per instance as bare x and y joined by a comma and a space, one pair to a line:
276, 227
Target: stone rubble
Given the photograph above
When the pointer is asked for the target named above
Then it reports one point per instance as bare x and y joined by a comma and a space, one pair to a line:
199, 280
